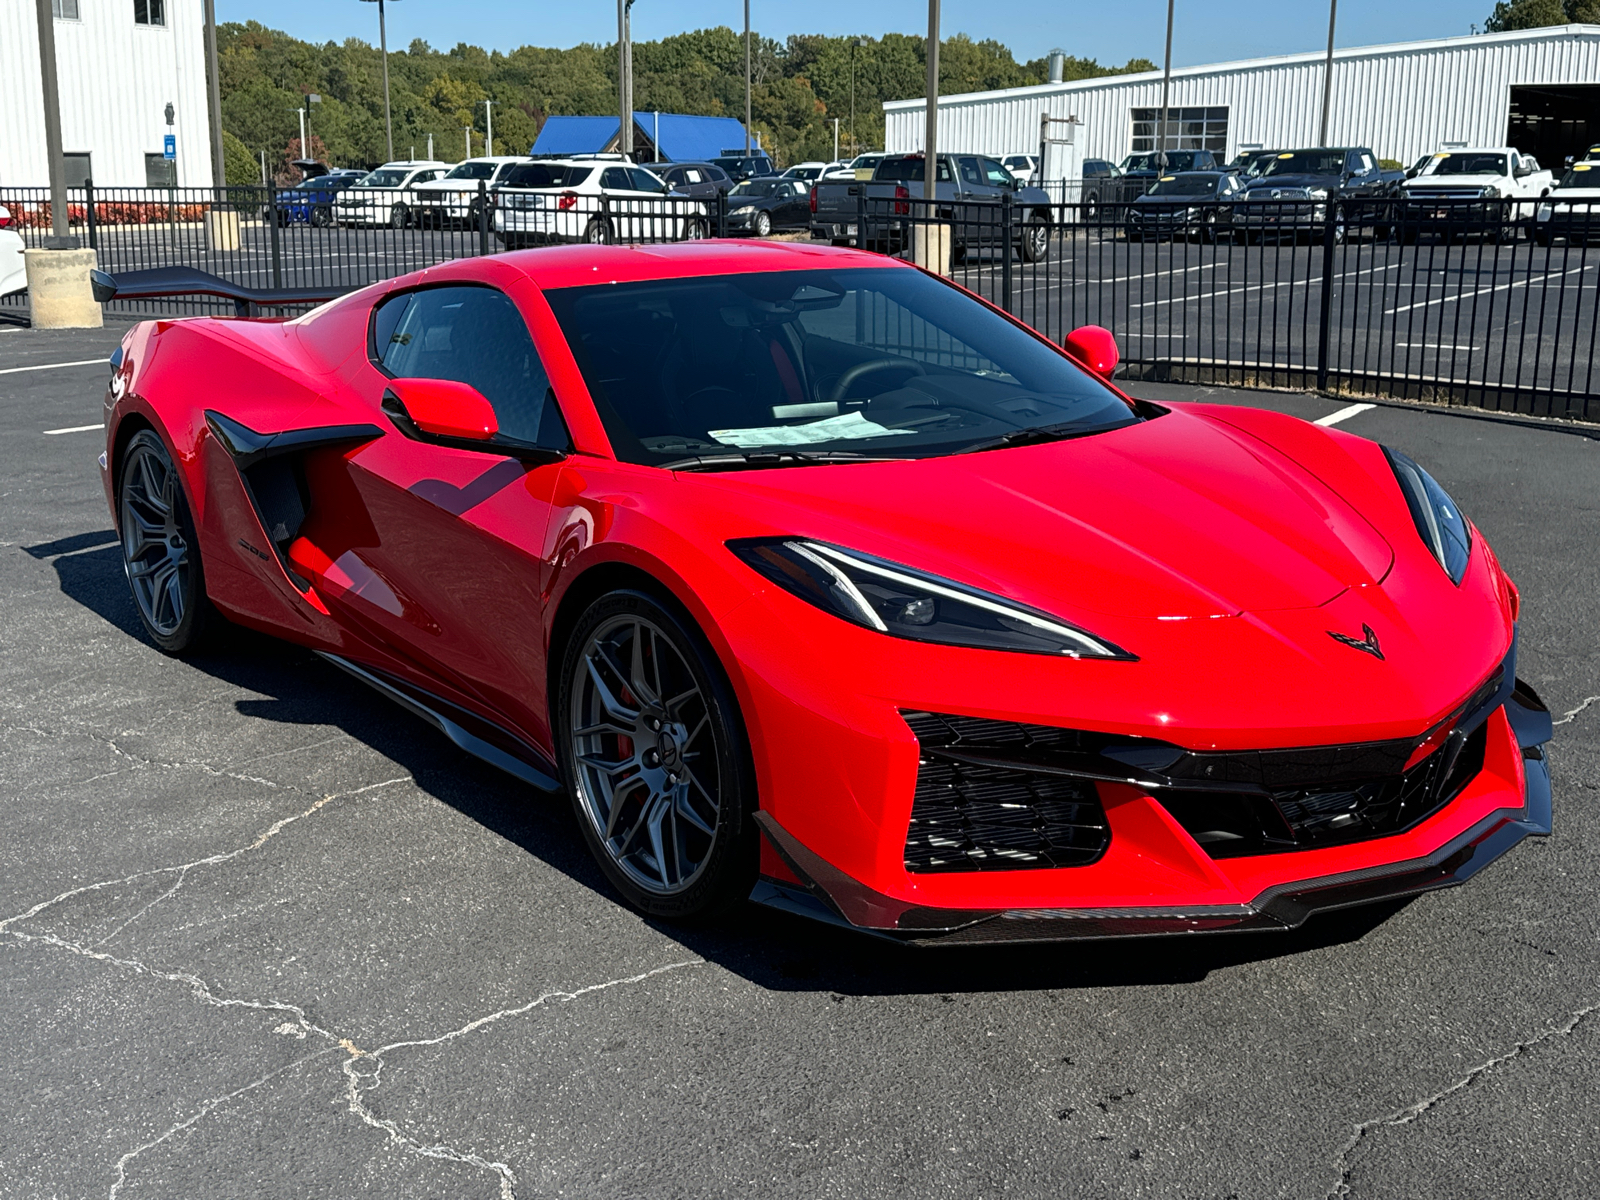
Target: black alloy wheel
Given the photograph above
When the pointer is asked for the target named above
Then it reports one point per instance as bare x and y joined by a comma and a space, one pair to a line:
321, 217
399, 216
160, 553
653, 753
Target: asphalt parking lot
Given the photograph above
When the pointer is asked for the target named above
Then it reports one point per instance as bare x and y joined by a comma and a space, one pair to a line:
264, 934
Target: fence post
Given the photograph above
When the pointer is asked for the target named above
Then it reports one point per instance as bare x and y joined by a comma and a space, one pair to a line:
272, 226
722, 213
1007, 215
1330, 220
88, 214
861, 217
483, 217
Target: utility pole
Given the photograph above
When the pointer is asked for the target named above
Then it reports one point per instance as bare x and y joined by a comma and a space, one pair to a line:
302, 111
219, 162
855, 44
52, 125
747, 78
835, 157
383, 51
931, 136
1166, 89
488, 128
625, 77
305, 129
466, 131
1327, 72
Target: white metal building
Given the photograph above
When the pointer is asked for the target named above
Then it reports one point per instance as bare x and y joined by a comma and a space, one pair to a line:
1536, 89
119, 63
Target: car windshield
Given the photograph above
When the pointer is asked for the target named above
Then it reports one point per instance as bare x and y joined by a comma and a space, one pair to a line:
472, 170
1469, 164
1582, 175
1177, 160
755, 188
382, 179
871, 362
1306, 162
316, 182
547, 175
909, 169
1185, 185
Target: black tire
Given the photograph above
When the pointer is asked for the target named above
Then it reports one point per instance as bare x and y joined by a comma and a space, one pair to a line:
597, 232
661, 737
283, 217
1133, 235
762, 225
1090, 210
321, 217
399, 217
160, 551
1035, 243
1542, 236
695, 230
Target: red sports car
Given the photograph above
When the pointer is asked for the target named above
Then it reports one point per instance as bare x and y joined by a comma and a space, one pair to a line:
812, 578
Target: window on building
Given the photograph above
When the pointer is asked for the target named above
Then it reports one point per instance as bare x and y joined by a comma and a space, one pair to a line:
148, 12
1187, 129
160, 171
64, 10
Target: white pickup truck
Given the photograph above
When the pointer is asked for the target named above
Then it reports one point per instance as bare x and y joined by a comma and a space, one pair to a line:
1492, 190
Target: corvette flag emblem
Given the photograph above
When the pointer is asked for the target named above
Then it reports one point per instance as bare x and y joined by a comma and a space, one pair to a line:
1367, 645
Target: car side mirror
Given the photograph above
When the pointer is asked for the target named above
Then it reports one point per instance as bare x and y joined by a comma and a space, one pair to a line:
1095, 348
440, 410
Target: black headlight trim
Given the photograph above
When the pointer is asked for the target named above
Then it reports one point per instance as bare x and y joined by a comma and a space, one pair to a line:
836, 580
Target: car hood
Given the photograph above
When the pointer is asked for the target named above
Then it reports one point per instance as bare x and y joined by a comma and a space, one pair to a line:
1582, 195
1331, 182
1456, 181
1172, 201
1181, 516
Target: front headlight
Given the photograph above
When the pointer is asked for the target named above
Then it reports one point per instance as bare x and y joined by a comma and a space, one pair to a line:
1490, 193
1439, 522
1543, 212
904, 602
1317, 193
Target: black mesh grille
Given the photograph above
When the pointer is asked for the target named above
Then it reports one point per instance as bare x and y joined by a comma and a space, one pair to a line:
996, 816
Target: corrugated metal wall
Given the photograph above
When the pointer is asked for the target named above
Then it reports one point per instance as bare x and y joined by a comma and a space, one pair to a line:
115, 80
1403, 100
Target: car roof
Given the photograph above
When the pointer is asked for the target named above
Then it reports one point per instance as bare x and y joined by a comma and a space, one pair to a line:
408, 163
576, 265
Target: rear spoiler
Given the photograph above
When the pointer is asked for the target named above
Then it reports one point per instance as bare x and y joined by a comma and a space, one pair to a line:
187, 281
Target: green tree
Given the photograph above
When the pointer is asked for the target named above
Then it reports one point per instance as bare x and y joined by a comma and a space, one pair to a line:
240, 166
1538, 14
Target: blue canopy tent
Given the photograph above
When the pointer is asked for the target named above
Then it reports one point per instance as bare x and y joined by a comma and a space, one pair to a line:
675, 137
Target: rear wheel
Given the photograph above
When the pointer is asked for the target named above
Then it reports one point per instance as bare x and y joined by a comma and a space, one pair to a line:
652, 749
597, 231
1542, 236
321, 217
160, 553
399, 216
694, 230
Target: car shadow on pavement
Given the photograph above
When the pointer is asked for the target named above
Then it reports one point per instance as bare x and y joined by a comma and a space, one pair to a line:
772, 950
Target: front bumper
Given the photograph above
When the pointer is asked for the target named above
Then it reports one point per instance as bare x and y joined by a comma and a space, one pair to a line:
819, 890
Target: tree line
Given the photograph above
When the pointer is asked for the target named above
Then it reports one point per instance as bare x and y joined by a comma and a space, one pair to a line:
799, 86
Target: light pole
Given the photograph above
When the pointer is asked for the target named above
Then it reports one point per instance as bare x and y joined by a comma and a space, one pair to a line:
466, 131
835, 157
301, 109
45, 12
1166, 86
1327, 72
219, 163
931, 136
305, 129
747, 78
383, 50
488, 128
625, 77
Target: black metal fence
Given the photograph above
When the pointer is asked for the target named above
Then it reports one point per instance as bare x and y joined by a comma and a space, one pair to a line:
1487, 302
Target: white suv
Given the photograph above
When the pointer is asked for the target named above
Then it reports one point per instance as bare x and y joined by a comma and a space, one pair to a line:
13, 274
383, 196
593, 200
454, 196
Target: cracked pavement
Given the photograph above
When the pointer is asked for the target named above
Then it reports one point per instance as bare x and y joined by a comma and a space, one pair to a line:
263, 934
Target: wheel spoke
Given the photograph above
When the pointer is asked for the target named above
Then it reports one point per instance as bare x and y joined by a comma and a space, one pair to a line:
618, 798
613, 707
636, 677
605, 726
609, 766
704, 791
658, 812
685, 809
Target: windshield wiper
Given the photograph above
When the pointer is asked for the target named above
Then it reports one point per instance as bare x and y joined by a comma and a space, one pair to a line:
771, 458
1033, 436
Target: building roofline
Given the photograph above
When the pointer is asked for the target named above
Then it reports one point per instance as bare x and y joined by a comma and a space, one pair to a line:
1547, 33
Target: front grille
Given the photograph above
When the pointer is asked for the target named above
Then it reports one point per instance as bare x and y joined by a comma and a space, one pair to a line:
983, 804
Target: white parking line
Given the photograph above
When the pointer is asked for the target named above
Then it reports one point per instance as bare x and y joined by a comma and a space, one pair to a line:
1344, 414
1431, 346
72, 429
1389, 312
84, 362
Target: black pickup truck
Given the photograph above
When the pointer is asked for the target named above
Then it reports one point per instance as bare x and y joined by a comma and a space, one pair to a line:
1292, 193
969, 191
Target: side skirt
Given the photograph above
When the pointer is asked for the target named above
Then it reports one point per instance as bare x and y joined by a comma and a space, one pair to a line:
525, 763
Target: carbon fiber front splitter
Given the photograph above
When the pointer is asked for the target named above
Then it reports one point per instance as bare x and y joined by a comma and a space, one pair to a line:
830, 895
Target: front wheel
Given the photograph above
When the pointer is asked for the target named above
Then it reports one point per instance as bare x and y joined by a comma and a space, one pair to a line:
398, 217
321, 217
160, 552
1036, 240
1542, 236
695, 230
653, 753
597, 232
763, 225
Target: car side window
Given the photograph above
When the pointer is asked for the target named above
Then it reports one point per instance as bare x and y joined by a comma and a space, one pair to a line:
691, 175
970, 172
614, 178
473, 335
995, 175
642, 181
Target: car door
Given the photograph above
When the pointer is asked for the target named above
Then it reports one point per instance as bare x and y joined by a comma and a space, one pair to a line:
795, 211
436, 551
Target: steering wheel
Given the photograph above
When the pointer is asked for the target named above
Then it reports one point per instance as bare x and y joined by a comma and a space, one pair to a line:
842, 385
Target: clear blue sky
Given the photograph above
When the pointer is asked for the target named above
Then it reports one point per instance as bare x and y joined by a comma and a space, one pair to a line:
1206, 30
